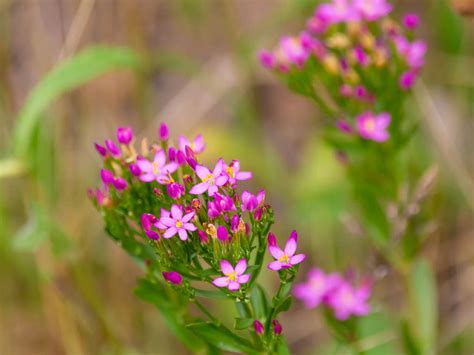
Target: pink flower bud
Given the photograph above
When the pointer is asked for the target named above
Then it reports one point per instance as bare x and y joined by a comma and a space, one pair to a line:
134, 169
124, 135
120, 183
113, 149
152, 234
277, 328
100, 149
258, 327
173, 277
163, 132
175, 190
203, 236
411, 21
148, 220
222, 234
180, 157
171, 154
107, 176
272, 239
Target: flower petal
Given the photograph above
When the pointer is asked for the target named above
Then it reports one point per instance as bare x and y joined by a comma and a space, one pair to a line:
218, 168
297, 259
190, 227
290, 247
221, 180
199, 188
242, 279
182, 234
221, 282
241, 267
170, 232
212, 190
275, 265
187, 217
233, 286
243, 175
147, 177
202, 171
170, 168
145, 165
168, 222
276, 251
176, 212
160, 158
226, 267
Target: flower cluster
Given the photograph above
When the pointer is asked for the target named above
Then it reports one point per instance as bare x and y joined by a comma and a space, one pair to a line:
347, 59
192, 224
335, 292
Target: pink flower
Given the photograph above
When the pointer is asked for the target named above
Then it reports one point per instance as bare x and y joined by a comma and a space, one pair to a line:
267, 59
250, 202
293, 50
177, 223
344, 126
285, 258
277, 328
210, 181
113, 149
124, 135
411, 21
221, 203
372, 10
100, 149
197, 145
233, 277
373, 127
412, 52
158, 169
175, 190
346, 300
173, 277
258, 327
233, 172
337, 11
317, 287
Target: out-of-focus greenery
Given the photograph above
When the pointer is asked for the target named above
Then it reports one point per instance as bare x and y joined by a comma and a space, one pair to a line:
66, 289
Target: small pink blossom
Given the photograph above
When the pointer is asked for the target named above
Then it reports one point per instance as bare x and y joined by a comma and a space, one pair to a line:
163, 132
373, 127
316, 288
411, 21
372, 10
173, 277
210, 181
158, 169
113, 149
234, 277
285, 258
258, 327
407, 79
267, 59
100, 149
175, 222
233, 172
337, 11
250, 202
124, 135
197, 145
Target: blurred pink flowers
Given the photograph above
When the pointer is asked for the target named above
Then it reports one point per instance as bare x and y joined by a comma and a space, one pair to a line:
373, 127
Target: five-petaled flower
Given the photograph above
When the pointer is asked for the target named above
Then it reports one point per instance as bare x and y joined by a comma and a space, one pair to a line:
373, 127
233, 172
347, 300
197, 145
175, 222
158, 169
285, 258
210, 180
317, 287
234, 277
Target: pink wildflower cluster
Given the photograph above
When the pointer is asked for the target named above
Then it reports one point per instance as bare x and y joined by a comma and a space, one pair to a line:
354, 50
335, 292
188, 209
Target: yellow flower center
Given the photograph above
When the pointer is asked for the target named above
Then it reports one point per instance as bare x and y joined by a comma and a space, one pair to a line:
284, 259
232, 276
209, 178
179, 224
230, 171
156, 170
369, 125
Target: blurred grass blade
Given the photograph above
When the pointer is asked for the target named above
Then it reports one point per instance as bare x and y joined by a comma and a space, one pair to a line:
67, 76
423, 302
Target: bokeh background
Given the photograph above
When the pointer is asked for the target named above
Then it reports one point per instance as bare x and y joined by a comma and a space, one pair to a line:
65, 288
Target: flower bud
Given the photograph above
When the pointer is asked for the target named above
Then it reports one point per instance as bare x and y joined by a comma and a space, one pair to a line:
175, 190
158, 193
100, 149
277, 328
222, 234
152, 234
196, 203
148, 220
272, 239
180, 157
113, 149
203, 236
411, 21
211, 230
171, 154
163, 132
107, 176
134, 169
258, 327
234, 223
172, 277
120, 183
257, 215
124, 135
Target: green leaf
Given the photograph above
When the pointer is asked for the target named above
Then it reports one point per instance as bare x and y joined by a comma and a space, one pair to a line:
243, 323
34, 233
68, 75
376, 335
423, 303
221, 337
284, 305
210, 294
259, 301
